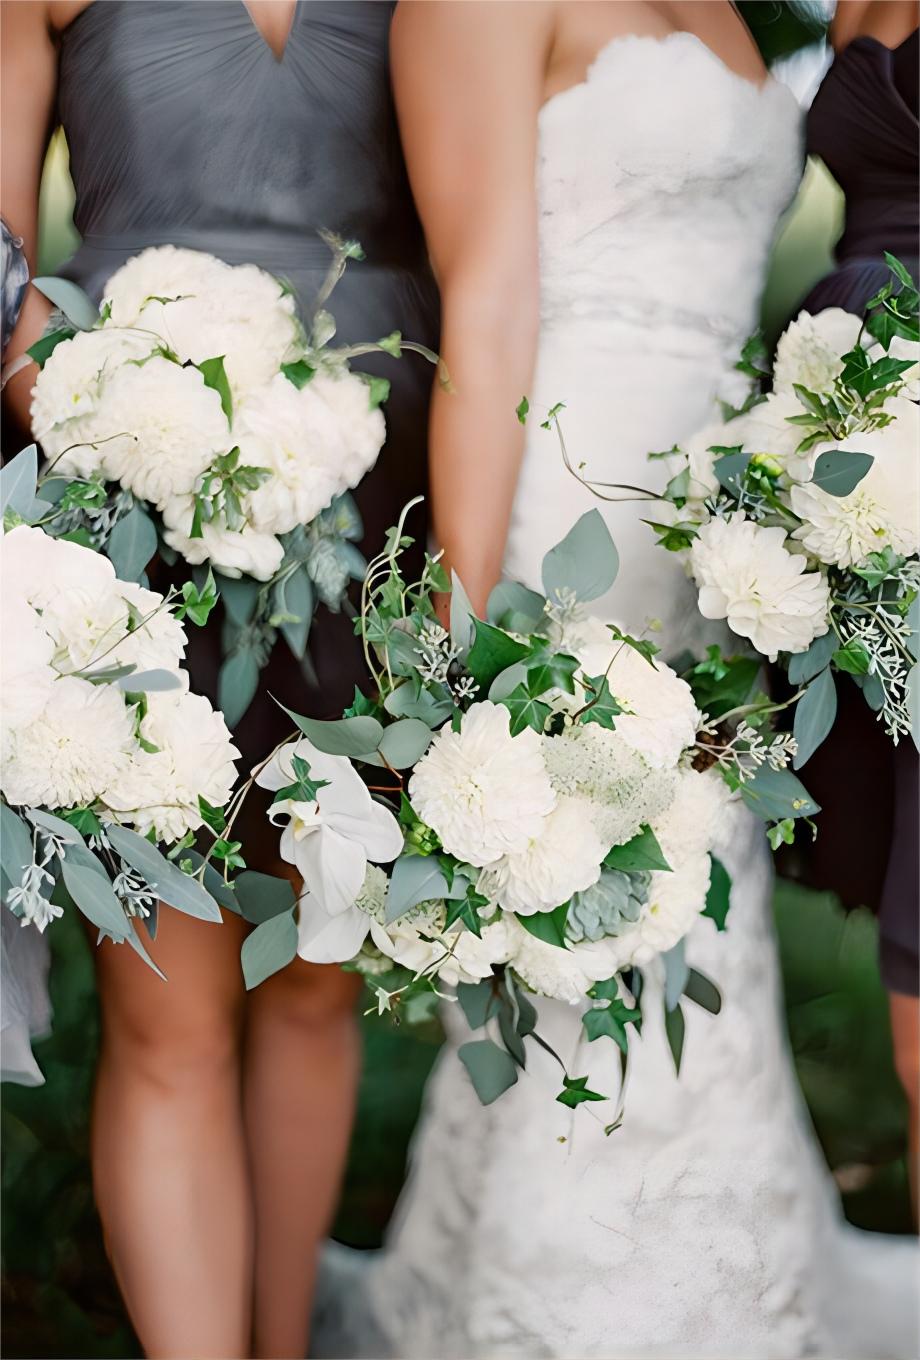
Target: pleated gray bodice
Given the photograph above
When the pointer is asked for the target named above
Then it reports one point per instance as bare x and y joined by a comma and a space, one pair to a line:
184, 128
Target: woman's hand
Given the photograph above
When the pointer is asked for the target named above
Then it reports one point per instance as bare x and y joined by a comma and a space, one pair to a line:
28, 75
469, 83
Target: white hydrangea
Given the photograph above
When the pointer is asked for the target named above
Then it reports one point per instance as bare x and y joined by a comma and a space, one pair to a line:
747, 575
240, 313
80, 743
195, 756
295, 434
565, 974
899, 348
484, 792
157, 641
675, 901
26, 675
618, 788
810, 350
68, 392
662, 718
689, 825
235, 552
163, 427
362, 426
564, 859
455, 955
882, 510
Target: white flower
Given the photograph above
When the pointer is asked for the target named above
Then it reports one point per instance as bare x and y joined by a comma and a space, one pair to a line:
163, 427
69, 390
239, 313
157, 641
362, 426
562, 973
748, 576
235, 552
767, 432
617, 786
484, 792
882, 510
689, 825
675, 901
297, 435
563, 859
456, 955
195, 757
662, 717
78, 745
810, 350
26, 675
330, 840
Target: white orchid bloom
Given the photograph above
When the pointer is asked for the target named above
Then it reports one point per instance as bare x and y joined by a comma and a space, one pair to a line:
330, 839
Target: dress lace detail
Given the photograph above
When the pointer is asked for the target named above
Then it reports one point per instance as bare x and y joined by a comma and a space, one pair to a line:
707, 1225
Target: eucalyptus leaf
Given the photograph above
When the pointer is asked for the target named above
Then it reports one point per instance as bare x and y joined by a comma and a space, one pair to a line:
149, 682
419, 878
730, 470
352, 737
63, 830
270, 947
93, 894
18, 480
299, 600
15, 846
131, 544
674, 1029
239, 595
507, 681
477, 1001
237, 682
491, 1070
462, 615
403, 702
262, 896
839, 471
704, 992
778, 794
515, 608
912, 700
805, 666
586, 562
814, 716
169, 883
676, 974
404, 742
79, 309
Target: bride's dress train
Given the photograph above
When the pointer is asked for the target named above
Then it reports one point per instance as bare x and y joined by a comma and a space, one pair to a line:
707, 1225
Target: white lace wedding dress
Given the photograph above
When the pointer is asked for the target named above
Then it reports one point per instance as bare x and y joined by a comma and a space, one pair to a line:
707, 1224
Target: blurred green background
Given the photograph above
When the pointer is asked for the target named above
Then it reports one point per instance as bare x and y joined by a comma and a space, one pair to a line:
59, 1298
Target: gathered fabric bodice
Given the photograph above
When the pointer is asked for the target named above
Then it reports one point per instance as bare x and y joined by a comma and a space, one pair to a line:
184, 126
661, 178
863, 124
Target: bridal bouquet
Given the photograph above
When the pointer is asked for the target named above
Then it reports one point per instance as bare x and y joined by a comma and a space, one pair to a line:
545, 794
105, 752
800, 514
195, 410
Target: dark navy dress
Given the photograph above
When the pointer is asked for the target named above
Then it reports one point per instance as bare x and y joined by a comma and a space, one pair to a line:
184, 128
863, 124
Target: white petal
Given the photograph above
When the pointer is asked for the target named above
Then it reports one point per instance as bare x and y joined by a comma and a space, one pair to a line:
378, 831
279, 772
330, 939
332, 868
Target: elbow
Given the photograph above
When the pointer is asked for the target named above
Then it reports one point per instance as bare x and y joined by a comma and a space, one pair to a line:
497, 308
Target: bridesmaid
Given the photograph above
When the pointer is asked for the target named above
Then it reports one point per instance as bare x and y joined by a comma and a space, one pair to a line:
863, 124
221, 1121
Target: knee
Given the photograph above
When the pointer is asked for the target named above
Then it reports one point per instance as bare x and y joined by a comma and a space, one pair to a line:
313, 996
173, 1040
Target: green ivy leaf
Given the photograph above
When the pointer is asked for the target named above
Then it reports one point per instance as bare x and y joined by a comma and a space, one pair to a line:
466, 910
853, 658
492, 651
675, 1029
299, 373
703, 992
641, 853
575, 1092
718, 895
522, 410
610, 1022
548, 926
215, 376
602, 707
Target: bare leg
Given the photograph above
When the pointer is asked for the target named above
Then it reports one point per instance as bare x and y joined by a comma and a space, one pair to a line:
169, 1158
301, 1074
905, 1031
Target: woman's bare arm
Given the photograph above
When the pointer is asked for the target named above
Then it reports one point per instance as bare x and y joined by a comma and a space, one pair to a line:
28, 73
469, 83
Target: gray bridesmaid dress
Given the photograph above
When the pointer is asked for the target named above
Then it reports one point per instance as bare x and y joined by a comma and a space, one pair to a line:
185, 128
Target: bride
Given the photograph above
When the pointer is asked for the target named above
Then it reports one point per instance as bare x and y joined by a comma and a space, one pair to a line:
623, 284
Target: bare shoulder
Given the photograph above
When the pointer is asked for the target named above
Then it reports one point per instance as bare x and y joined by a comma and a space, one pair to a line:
472, 31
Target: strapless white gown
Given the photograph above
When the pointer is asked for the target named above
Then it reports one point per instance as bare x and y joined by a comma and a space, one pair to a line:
707, 1225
